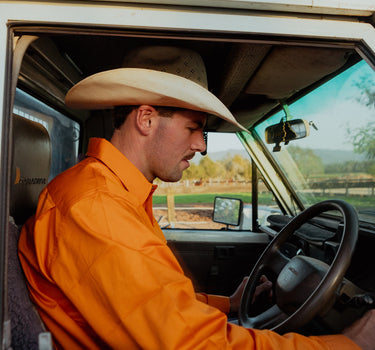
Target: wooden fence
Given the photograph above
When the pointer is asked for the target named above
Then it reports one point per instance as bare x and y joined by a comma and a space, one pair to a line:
347, 187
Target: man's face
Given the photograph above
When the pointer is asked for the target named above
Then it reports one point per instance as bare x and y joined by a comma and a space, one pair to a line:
175, 142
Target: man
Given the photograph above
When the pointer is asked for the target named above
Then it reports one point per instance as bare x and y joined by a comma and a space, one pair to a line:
97, 263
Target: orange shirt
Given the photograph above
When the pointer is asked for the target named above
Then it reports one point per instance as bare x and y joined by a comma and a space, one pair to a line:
102, 275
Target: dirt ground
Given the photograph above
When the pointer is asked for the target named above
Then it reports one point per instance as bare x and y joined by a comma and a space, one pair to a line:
191, 217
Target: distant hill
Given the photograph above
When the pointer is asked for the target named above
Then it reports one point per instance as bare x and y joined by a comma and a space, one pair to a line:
338, 156
326, 155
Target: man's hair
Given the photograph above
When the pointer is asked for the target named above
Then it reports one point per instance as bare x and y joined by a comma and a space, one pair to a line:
120, 113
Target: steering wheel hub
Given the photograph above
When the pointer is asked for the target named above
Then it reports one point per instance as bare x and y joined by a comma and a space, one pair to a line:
297, 280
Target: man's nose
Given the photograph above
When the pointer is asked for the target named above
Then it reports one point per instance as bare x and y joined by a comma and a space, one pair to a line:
199, 144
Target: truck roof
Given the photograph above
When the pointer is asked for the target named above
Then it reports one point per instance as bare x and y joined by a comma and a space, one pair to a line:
326, 7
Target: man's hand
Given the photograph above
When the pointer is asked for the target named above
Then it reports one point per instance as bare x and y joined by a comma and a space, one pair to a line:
362, 332
265, 286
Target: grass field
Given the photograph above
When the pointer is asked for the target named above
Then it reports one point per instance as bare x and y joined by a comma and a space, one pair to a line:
208, 198
355, 201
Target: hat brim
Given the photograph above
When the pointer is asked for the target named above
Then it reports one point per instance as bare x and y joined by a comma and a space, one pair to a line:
136, 86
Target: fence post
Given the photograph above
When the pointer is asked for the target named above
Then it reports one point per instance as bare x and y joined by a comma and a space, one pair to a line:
170, 206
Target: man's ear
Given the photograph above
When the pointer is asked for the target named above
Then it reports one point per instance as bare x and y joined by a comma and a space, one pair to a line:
146, 118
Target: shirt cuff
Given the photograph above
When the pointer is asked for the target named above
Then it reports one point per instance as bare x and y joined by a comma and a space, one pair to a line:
339, 341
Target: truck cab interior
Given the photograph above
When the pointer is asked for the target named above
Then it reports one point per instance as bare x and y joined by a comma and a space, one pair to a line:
307, 204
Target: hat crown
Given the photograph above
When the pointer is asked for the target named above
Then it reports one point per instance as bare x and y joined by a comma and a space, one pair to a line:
179, 61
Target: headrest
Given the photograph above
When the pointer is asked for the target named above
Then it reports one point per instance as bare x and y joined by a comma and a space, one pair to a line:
31, 164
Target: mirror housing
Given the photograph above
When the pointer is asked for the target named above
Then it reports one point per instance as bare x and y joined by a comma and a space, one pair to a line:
227, 211
286, 131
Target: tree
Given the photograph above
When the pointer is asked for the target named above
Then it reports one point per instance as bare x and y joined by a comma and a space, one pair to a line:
308, 162
193, 172
210, 168
365, 84
237, 167
363, 140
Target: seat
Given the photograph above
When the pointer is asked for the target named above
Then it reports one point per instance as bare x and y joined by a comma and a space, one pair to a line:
31, 163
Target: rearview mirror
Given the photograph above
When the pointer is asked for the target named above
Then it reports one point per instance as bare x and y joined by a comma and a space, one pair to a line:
286, 131
227, 211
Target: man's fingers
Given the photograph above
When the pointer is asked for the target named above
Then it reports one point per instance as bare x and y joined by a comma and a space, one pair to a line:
264, 287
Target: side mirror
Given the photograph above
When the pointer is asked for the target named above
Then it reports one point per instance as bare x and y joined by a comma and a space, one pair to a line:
227, 211
286, 131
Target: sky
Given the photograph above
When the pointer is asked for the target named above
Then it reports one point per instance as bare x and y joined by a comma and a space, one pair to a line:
218, 142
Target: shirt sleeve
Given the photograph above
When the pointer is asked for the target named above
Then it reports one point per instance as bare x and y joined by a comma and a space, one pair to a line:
220, 302
126, 283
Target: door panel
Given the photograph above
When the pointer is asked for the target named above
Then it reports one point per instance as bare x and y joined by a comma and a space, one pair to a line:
216, 261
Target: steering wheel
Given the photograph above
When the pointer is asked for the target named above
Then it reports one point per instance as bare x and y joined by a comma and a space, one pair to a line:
304, 285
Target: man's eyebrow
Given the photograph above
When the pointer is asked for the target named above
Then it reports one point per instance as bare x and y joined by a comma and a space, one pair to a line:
200, 123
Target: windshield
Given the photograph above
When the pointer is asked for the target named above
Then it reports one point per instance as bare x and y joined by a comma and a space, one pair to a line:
337, 158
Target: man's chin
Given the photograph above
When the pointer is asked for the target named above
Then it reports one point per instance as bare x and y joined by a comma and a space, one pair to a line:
171, 178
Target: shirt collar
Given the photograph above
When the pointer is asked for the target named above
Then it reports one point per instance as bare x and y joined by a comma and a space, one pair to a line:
131, 177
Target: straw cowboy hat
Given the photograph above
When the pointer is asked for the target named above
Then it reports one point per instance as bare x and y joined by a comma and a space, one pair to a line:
155, 75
